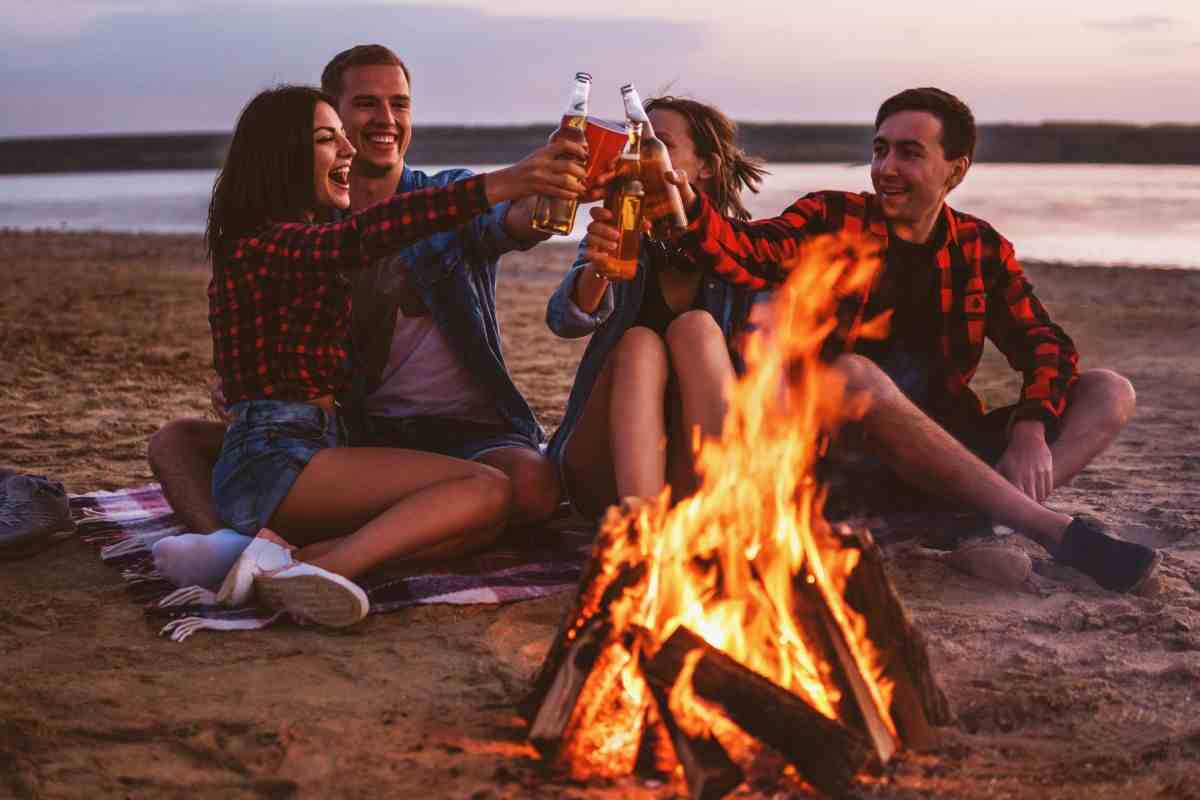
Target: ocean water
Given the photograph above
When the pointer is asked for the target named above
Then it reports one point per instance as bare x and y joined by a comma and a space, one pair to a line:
1087, 214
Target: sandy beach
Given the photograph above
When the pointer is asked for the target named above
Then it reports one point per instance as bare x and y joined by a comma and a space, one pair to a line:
1065, 691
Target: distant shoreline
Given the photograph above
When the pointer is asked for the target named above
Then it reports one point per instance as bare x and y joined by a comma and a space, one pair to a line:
1059, 143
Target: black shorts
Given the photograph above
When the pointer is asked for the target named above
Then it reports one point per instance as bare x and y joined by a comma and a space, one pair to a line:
859, 482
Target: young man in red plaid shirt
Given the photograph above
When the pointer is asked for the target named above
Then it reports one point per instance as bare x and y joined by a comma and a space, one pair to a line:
950, 280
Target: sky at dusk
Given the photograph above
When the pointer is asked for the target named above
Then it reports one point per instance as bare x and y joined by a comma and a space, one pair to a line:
116, 66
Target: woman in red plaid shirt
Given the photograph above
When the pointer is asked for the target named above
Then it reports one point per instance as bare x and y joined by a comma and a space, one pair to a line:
279, 308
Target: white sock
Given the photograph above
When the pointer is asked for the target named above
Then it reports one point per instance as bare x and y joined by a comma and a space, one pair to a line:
198, 559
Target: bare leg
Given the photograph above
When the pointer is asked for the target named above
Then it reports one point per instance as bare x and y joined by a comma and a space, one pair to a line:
618, 447
182, 456
1099, 406
637, 417
921, 450
702, 368
383, 504
534, 482
587, 458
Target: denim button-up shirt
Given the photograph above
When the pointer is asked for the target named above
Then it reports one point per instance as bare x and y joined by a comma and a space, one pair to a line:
455, 275
618, 310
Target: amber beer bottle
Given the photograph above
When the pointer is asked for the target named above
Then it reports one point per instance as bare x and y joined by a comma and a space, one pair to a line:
626, 201
556, 215
664, 206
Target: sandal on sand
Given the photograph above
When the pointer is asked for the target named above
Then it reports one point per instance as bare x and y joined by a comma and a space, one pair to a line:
310, 593
1115, 564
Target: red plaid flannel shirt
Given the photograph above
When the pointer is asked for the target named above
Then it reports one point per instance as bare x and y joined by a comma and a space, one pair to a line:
279, 307
984, 291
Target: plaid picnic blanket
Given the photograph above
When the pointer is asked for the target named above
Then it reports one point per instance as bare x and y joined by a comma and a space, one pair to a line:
125, 524
540, 562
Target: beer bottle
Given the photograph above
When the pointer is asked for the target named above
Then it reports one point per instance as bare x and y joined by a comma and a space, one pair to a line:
664, 206
626, 202
556, 215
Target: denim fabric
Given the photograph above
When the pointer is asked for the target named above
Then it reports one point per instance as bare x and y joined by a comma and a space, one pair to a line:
616, 314
455, 275
449, 437
267, 446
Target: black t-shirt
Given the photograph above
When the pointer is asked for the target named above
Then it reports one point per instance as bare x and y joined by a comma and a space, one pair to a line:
655, 314
909, 287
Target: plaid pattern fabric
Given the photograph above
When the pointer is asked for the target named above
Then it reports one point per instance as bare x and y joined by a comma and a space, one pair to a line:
279, 306
983, 289
536, 562
533, 563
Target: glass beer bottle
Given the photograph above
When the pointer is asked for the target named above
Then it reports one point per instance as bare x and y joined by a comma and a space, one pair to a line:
626, 202
664, 206
556, 215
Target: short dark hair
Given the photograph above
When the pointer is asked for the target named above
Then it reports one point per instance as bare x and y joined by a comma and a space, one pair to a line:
361, 55
958, 123
268, 172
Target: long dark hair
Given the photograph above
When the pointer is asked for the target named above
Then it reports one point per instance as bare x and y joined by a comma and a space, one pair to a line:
715, 138
268, 171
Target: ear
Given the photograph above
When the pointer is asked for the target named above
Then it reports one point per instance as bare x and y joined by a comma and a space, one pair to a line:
710, 167
958, 171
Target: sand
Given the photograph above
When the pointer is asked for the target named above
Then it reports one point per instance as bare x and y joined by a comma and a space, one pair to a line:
1066, 692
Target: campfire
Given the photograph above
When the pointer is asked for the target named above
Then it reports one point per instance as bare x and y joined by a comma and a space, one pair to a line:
738, 624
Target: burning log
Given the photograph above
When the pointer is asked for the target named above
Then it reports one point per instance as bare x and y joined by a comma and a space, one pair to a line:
827, 754
710, 772
918, 701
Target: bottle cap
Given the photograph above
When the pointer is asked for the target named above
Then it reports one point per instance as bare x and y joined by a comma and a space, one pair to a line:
583, 76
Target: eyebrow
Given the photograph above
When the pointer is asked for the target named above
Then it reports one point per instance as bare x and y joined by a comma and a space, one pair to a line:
356, 98
900, 142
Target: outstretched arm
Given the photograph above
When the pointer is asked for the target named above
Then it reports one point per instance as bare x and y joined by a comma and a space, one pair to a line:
754, 254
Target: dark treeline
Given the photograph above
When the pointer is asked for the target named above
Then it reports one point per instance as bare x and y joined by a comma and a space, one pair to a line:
1097, 143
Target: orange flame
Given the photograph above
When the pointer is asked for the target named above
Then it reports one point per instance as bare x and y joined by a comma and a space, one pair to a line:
730, 561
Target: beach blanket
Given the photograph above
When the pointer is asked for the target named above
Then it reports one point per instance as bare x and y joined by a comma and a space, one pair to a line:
530, 564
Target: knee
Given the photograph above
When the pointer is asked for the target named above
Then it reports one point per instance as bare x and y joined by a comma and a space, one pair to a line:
176, 437
494, 493
535, 490
640, 347
691, 331
862, 376
1112, 393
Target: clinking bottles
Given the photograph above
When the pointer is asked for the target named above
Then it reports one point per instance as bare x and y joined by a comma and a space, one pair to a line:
554, 214
663, 205
626, 202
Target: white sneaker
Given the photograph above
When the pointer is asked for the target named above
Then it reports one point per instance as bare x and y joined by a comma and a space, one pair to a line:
308, 592
262, 555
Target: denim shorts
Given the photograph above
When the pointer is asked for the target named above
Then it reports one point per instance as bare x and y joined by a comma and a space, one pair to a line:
448, 437
267, 446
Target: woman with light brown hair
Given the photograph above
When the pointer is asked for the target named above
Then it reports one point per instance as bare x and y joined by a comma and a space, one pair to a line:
662, 350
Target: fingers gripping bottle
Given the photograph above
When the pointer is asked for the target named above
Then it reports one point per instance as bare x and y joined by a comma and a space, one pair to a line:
556, 215
626, 201
664, 206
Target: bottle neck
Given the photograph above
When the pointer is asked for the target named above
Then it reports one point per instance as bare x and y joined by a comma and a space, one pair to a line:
577, 106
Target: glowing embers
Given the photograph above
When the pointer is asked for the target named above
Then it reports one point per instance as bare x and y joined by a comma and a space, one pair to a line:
738, 620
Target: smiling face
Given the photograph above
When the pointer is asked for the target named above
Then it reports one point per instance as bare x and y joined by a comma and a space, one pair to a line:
675, 132
375, 103
911, 173
332, 154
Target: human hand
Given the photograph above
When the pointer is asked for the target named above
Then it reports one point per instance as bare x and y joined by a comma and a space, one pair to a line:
679, 177
220, 407
1027, 462
602, 236
555, 169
